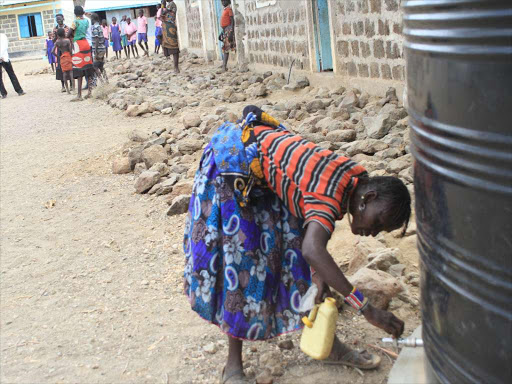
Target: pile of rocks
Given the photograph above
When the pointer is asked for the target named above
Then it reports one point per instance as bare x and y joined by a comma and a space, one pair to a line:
378, 272
146, 87
162, 165
372, 130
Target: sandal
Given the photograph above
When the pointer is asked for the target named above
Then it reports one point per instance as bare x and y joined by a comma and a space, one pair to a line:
361, 360
235, 377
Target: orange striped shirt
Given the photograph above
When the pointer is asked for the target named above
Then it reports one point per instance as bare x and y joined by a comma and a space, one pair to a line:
314, 183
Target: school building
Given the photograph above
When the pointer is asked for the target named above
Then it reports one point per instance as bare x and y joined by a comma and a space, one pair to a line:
360, 40
27, 23
107, 9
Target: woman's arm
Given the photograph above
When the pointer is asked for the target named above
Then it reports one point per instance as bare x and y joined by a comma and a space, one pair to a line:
314, 251
71, 31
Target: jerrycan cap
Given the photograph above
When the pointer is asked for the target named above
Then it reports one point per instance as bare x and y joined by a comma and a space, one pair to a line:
330, 301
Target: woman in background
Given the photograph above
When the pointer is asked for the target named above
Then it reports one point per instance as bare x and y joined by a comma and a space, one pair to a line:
82, 56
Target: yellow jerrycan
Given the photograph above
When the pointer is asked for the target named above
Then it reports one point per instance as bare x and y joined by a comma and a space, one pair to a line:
320, 326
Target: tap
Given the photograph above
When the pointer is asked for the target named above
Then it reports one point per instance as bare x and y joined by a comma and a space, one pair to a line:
408, 342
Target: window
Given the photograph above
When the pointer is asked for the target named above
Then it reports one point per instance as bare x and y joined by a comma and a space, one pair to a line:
31, 25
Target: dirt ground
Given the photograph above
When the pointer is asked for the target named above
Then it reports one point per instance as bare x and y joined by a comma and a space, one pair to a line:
91, 288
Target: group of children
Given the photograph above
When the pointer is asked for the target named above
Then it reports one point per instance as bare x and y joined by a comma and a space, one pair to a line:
80, 51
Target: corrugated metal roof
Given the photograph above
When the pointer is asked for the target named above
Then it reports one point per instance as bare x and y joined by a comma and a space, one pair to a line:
14, 2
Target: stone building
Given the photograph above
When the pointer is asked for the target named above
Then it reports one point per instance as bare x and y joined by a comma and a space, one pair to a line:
27, 23
360, 40
106, 9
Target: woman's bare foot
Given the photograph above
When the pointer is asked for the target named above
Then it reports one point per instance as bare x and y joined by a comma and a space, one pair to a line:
76, 99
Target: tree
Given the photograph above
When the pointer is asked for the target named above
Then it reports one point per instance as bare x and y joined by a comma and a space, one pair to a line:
79, 2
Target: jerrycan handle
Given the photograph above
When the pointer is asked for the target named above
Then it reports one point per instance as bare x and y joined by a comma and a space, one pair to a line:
309, 320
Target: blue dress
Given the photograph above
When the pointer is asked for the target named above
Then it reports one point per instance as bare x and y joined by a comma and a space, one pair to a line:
116, 37
49, 48
158, 32
244, 269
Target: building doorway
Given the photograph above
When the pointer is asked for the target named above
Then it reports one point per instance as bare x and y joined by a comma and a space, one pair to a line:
102, 16
322, 34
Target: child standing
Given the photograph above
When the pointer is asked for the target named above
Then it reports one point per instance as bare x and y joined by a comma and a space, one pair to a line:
124, 37
63, 45
142, 32
227, 22
131, 34
104, 28
98, 47
158, 33
49, 50
115, 37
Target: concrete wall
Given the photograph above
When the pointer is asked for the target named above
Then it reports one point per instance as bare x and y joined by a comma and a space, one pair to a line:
208, 30
277, 32
368, 38
195, 34
67, 11
181, 23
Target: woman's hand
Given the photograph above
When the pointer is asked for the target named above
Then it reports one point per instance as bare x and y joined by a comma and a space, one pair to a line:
323, 289
384, 320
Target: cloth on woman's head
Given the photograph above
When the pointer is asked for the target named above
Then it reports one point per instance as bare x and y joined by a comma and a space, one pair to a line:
252, 114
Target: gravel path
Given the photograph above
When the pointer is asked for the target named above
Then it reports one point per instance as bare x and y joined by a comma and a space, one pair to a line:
88, 288
91, 272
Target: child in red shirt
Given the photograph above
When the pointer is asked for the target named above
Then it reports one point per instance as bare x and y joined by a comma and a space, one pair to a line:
227, 22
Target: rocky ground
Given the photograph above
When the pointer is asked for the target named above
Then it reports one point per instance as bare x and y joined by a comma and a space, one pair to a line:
92, 220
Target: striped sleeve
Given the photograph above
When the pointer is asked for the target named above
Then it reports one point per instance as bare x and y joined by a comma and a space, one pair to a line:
312, 182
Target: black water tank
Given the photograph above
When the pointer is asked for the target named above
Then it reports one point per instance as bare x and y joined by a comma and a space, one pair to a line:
459, 81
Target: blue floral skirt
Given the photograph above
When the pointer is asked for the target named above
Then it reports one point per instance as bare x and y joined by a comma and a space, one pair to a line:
244, 268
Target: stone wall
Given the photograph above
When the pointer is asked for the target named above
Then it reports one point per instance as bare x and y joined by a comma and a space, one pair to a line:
195, 35
368, 38
34, 45
9, 26
277, 33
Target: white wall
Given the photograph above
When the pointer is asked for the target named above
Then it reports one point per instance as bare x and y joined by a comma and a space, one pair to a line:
181, 22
